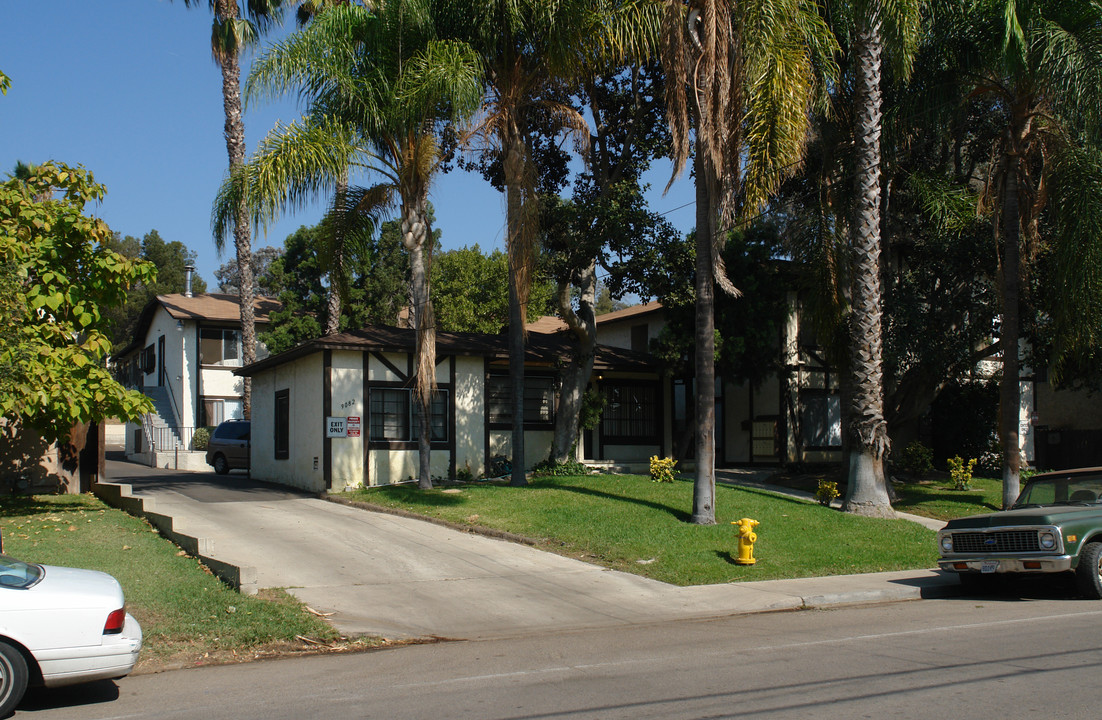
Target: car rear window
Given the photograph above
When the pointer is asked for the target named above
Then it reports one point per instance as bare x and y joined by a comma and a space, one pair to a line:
233, 431
18, 574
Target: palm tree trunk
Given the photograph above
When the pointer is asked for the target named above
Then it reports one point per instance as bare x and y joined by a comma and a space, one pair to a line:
704, 487
514, 178
336, 262
867, 491
1009, 384
235, 147
415, 235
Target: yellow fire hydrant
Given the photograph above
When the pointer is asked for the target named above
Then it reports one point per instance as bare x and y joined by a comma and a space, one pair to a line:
746, 539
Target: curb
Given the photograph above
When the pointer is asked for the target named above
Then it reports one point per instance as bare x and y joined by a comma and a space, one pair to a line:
121, 496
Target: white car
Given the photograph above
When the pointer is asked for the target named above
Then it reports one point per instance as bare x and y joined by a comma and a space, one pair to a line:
60, 626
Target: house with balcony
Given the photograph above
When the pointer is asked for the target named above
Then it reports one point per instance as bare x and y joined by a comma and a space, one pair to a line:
182, 356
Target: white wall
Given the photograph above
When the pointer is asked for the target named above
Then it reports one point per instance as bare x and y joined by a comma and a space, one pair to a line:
304, 468
347, 390
470, 415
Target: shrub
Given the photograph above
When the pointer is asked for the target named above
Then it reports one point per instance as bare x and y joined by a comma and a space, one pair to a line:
570, 467
827, 491
961, 472
661, 469
916, 459
200, 438
464, 475
498, 466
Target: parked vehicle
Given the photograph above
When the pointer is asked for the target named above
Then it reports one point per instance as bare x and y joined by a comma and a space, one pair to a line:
228, 448
60, 626
1055, 526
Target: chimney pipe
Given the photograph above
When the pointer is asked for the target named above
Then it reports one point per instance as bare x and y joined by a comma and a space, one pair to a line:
188, 270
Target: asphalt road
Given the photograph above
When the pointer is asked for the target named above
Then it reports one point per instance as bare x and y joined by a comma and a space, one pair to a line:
1004, 657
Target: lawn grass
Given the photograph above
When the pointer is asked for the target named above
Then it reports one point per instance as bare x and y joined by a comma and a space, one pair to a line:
629, 523
187, 615
942, 501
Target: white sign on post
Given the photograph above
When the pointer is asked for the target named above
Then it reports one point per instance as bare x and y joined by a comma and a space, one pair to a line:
336, 427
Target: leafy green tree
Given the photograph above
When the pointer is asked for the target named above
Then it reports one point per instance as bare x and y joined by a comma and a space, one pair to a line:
377, 287
59, 273
1037, 67
744, 77
471, 291
170, 260
226, 274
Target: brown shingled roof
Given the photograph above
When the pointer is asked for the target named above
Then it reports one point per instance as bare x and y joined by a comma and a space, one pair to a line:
539, 348
215, 307
549, 324
210, 307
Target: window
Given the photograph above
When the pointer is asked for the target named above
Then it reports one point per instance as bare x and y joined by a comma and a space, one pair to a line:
539, 400
390, 414
821, 420
395, 415
438, 420
631, 411
218, 410
218, 346
148, 360
640, 340
499, 406
282, 424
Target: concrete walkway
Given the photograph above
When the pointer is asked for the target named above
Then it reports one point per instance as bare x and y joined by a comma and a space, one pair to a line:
403, 578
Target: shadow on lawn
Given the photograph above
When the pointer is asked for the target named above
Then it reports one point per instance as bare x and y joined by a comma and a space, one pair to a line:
680, 515
949, 496
18, 506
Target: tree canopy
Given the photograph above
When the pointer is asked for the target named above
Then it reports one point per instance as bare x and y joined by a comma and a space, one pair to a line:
58, 271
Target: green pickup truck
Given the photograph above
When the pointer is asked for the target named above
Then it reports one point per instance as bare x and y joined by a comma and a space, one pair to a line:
1054, 527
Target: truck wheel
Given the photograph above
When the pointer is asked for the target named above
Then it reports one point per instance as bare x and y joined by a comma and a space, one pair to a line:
13, 678
220, 465
1088, 573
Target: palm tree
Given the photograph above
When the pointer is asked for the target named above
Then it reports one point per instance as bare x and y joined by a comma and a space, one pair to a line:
1038, 63
529, 48
867, 489
231, 33
744, 76
376, 82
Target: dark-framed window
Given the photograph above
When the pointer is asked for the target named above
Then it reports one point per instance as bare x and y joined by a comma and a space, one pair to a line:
395, 415
821, 419
631, 411
148, 359
539, 400
219, 346
282, 424
438, 418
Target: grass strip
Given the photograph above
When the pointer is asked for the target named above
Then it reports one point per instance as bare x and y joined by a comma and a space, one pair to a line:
187, 615
942, 501
629, 523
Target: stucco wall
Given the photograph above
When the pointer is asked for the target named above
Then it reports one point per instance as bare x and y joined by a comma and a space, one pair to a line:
347, 389
537, 445
177, 373
470, 415
304, 467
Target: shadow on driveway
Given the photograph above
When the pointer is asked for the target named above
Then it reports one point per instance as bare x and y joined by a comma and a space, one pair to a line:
206, 487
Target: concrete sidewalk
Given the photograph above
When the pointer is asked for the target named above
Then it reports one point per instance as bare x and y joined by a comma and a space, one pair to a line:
398, 577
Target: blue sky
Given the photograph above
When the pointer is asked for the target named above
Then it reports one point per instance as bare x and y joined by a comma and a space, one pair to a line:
127, 88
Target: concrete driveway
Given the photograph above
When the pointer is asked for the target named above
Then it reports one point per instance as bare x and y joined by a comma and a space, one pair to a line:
402, 578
